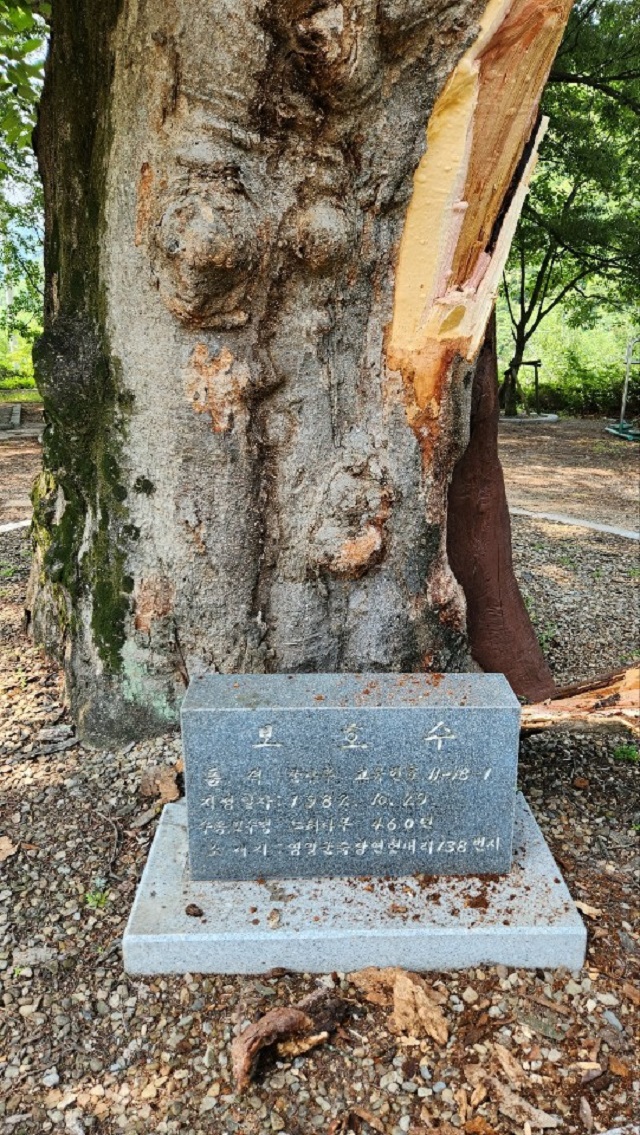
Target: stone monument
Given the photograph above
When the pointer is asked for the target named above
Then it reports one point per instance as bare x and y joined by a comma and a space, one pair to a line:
334, 821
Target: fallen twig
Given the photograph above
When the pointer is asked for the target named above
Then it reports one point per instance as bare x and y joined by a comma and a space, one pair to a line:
293, 1028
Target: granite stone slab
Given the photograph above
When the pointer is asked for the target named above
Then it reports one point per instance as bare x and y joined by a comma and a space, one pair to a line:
525, 919
295, 776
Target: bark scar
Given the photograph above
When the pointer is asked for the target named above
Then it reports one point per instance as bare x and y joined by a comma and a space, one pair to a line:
469, 189
154, 599
217, 386
145, 202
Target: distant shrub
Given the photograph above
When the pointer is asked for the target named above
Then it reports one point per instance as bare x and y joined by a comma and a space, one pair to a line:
9, 380
581, 389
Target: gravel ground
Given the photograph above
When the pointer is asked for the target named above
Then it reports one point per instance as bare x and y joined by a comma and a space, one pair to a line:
85, 1048
582, 590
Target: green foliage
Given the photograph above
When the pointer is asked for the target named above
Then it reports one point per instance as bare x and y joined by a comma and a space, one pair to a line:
23, 31
583, 367
578, 243
23, 28
98, 897
628, 754
9, 380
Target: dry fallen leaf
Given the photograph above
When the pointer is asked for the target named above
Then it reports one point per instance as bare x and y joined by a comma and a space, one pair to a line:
7, 848
160, 781
517, 1108
512, 1069
415, 1010
478, 1094
618, 1068
631, 992
300, 1045
474, 1073
376, 985
374, 1123
339, 1125
478, 1126
462, 1103
343, 1124
590, 911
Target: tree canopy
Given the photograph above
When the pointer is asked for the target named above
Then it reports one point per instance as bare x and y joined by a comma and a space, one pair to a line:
23, 27
578, 242
577, 245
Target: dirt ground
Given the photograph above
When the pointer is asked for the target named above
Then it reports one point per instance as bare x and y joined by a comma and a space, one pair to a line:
86, 1048
20, 457
572, 467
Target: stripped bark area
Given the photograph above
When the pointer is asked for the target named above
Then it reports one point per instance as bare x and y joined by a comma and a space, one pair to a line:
469, 189
501, 635
257, 359
482, 144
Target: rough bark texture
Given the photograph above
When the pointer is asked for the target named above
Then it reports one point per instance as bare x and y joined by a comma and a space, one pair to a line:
246, 467
501, 636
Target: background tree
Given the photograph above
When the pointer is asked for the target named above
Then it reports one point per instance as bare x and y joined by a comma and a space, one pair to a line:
23, 32
578, 242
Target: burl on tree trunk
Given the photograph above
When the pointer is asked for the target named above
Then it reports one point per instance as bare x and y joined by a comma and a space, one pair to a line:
266, 292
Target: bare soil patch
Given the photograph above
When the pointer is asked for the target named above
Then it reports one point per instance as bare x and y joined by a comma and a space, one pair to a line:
86, 1048
573, 467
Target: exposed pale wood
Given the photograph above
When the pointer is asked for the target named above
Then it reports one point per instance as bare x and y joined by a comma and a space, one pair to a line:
614, 702
590, 683
469, 189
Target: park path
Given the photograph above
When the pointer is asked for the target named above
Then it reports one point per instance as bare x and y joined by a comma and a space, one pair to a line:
20, 461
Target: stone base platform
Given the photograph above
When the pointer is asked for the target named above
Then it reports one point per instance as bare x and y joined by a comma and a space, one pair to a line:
525, 919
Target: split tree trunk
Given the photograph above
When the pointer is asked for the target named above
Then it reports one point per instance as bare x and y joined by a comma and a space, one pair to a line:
265, 297
479, 546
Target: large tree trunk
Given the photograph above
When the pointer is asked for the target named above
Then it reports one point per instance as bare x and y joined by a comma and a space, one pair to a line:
265, 297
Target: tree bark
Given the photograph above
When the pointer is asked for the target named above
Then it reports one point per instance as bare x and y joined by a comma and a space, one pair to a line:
264, 303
